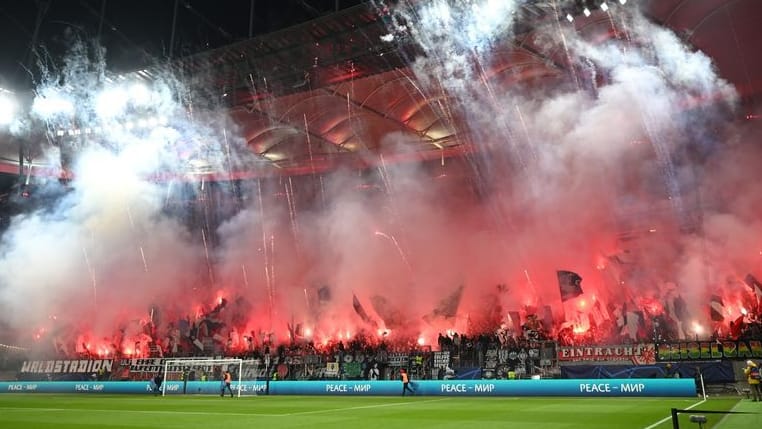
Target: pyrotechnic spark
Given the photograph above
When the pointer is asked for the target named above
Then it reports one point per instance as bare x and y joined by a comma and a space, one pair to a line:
268, 278
398, 247
208, 260
245, 277
292, 211
92, 276
309, 144
143, 255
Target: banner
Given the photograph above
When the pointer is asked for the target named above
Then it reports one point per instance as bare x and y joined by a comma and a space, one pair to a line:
157, 365
641, 387
709, 350
81, 366
638, 354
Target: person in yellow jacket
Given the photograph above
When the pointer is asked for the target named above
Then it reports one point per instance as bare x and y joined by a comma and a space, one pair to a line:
753, 376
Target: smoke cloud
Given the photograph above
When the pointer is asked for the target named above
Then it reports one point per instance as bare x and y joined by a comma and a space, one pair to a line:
622, 167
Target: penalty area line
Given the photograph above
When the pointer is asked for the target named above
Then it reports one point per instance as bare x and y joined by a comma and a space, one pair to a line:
362, 407
665, 419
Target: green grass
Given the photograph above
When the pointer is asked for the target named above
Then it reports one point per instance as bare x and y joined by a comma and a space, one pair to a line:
37, 410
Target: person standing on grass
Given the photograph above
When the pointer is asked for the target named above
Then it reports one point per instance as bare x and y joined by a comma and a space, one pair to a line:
226, 380
156, 383
405, 381
753, 376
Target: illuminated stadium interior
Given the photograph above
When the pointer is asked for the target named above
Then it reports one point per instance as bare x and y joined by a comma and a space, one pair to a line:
379, 173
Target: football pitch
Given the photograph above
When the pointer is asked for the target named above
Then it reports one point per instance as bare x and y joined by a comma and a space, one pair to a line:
39, 410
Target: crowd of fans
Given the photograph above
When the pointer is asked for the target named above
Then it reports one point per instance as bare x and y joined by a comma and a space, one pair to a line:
219, 332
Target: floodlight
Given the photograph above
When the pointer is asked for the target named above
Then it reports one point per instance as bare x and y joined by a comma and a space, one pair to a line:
140, 95
622, 1
50, 104
569, 17
586, 11
604, 6
111, 102
7, 108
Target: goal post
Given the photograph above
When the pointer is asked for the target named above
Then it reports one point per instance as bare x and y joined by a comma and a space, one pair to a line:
173, 366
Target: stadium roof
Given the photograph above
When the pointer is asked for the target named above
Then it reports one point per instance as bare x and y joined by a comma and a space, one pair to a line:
330, 91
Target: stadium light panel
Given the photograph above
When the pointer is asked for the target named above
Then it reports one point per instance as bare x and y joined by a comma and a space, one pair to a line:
51, 104
569, 17
111, 102
7, 108
140, 95
604, 7
586, 11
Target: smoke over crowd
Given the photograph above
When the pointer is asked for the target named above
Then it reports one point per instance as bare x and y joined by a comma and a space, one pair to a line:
625, 167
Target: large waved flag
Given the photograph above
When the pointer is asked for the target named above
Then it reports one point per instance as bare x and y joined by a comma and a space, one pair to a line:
392, 317
361, 311
716, 308
569, 284
754, 284
447, 308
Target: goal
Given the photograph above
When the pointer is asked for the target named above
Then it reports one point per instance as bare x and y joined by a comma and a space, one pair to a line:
204, 375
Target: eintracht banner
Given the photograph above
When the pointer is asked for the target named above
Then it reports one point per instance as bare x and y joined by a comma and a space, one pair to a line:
638, 354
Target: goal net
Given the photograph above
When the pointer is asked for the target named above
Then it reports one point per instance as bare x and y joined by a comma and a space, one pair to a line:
206, 376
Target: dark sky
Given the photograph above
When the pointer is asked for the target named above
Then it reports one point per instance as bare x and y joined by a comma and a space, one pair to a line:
138, 32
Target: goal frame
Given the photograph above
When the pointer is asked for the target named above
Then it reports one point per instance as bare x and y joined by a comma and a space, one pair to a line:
191, 361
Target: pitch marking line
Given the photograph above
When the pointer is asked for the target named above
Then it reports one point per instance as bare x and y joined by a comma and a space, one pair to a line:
203, 413
670, 416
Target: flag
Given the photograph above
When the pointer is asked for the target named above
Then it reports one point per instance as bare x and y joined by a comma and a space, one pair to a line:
391, 316
598, 313
361, 311
754, 284
737, 326
716, 308
681, 308
634, 321
295, 331
677, 310
547, 318
515, 320
570, 284
324, 295
448, 306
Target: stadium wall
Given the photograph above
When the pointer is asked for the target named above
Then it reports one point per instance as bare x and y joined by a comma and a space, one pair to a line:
630, 387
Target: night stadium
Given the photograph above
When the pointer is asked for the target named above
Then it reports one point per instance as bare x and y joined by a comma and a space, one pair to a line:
526, 212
